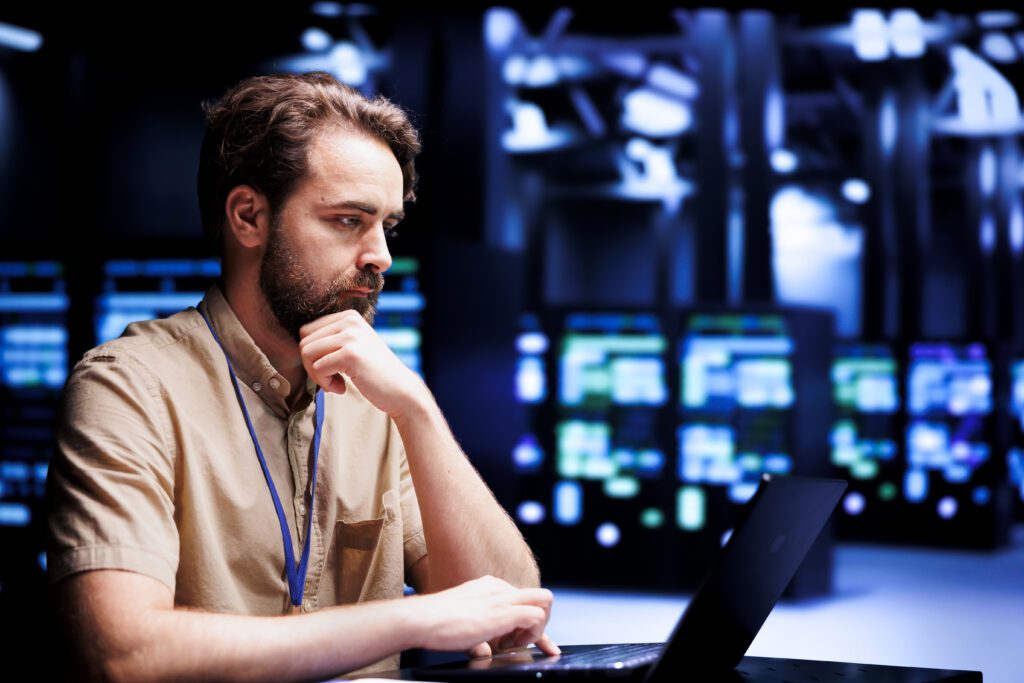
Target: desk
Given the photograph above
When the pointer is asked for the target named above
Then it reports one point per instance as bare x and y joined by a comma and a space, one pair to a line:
775, 670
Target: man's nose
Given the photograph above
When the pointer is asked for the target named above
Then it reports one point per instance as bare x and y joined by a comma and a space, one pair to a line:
375, 254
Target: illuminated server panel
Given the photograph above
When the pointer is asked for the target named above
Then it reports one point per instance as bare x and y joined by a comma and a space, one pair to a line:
954, 482
149, 289
753, 400
592, 470
33, 369
399, 320
865, 444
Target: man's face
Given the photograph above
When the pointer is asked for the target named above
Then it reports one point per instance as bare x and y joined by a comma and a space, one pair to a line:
319, 258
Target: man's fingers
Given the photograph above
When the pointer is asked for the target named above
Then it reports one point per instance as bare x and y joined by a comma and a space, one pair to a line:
547, 646
312, 331
481, 650
542, 597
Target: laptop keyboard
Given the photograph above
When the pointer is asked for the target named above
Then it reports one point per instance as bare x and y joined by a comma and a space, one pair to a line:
612, 657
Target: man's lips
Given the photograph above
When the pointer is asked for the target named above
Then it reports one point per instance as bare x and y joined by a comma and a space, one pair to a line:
362, 291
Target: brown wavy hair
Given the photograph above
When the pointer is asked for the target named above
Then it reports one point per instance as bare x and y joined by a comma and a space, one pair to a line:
259, 133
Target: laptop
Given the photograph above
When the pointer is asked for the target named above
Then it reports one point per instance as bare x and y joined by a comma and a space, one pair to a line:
779, 524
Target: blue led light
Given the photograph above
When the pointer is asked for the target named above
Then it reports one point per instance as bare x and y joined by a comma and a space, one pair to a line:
856, 190
316, 39
947, 507
527, 454
854, 503
530, 512
915, 485
15, 514
568, 503
608, 535
982, 495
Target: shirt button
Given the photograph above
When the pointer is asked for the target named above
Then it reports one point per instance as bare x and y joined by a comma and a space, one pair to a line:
256, 386
302, 508
274, 383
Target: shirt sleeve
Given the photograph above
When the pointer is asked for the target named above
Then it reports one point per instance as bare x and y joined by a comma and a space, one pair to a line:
412, 526
110, 483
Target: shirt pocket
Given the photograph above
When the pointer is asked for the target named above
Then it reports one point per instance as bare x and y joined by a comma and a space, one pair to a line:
368, 555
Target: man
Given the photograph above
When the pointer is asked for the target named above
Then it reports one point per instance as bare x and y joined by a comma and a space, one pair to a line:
169, 559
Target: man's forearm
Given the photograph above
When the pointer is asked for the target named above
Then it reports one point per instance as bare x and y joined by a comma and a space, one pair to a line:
189, 645
468, 533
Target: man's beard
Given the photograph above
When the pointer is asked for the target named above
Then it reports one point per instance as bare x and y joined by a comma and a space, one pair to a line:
293, 295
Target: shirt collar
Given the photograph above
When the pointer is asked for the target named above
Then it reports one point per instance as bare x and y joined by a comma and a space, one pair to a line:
249, 362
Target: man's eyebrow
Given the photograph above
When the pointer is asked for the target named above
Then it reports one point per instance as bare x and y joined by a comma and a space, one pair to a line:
364, 207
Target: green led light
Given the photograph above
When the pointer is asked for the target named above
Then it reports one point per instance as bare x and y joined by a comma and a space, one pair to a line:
652, 518
887, 491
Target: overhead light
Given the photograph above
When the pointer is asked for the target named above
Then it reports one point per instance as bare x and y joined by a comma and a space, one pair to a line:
783, 160
870, 35
316, 39
18, 38
327, 9
856, 190
906, 34
650, 113
998, 19
500, 28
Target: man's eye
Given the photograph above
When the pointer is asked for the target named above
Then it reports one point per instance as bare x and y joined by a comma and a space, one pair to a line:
355, 221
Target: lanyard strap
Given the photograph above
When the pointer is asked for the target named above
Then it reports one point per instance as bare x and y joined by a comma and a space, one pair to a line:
296, 576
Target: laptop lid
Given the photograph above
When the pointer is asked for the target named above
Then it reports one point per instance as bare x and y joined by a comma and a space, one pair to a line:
780, 524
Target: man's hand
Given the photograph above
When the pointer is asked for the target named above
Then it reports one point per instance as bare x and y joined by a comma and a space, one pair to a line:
345, 343
484, 610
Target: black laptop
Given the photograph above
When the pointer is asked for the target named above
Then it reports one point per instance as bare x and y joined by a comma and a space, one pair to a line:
779, 525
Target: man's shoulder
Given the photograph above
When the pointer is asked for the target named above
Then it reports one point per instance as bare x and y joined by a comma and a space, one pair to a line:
151, 343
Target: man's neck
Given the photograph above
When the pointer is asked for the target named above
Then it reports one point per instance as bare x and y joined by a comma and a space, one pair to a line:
280, 349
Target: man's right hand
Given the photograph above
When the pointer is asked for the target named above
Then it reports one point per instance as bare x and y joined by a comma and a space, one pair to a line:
483, 610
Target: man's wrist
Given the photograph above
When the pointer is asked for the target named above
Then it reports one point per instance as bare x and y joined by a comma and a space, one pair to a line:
418, 407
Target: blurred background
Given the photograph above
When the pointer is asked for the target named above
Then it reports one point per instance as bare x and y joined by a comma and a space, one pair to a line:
656, 254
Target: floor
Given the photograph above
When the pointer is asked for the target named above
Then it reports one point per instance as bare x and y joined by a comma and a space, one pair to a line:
910, 607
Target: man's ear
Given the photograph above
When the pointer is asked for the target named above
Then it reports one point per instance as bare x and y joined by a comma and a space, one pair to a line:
247, 216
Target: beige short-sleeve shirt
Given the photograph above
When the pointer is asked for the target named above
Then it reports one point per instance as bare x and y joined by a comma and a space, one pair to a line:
154, 471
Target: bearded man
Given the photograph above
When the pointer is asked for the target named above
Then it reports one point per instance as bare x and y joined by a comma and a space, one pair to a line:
242, 490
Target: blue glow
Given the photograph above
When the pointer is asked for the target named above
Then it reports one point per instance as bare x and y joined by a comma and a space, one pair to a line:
532, 342
915, 485
774, 119
741, 493
316, 39
501, 25
870, 35
15, 514
541, 72
531, 380
999, 48
18, 38
906, 34
348, 63
997, 19
987, 171
149, 301
986, 101
620, 369
530, 512
981, 495
530, 132
326, 9
856, 190
1017, 226
42, 561
947, 507
568, 503
513, 70
400, 302
608, 535
672, 81
854, 503
54, 302
987, 233
887, 123
784, 160
650, 113
528, 454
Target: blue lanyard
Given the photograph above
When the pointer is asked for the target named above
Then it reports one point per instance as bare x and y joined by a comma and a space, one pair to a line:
296, 576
